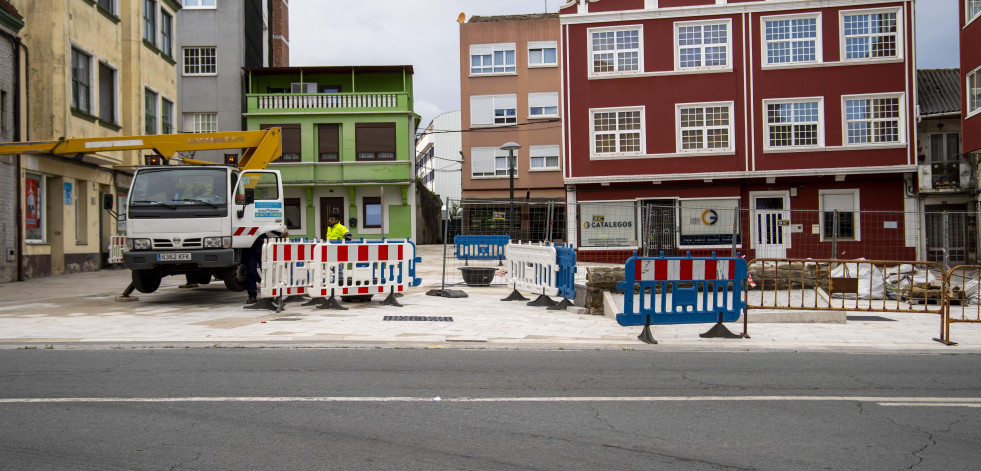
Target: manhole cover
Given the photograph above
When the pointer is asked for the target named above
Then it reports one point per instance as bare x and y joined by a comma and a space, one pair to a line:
870, 319
418, 318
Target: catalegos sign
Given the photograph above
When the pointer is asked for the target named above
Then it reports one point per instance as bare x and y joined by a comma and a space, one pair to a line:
707, 222
607, 224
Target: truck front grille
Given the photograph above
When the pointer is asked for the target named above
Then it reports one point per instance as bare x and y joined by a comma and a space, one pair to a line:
184, 244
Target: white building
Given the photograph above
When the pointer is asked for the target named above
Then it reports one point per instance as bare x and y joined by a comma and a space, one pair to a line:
438, 156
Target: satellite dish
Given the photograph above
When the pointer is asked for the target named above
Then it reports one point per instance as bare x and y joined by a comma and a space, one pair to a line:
462, 17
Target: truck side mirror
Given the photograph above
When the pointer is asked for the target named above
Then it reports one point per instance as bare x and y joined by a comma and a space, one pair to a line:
249, 196
107, 200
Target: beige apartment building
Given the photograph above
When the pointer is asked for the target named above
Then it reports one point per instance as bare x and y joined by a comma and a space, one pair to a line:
96, 68
510, 82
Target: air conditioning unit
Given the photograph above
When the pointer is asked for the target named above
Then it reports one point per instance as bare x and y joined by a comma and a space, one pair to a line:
303, 87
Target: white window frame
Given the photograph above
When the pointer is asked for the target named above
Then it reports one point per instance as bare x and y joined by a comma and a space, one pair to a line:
856, 200
184, 65
113, 7
498, 154
616, 71
901, 120
900, 34
544, 152
91, 76
543, 45
545, 100
193, 121
765, 44
505, 100
976, 74
967, 12
784, 101
593, 132
494, 48
730, 128
115, 93
197, 5
677, 45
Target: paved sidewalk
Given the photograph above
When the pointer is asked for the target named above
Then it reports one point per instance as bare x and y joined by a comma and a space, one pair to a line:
80, 311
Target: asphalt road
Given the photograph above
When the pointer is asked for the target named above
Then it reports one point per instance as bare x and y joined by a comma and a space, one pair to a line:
486, 409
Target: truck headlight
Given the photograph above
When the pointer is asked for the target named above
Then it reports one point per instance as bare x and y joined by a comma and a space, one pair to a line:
138, 244
217, 242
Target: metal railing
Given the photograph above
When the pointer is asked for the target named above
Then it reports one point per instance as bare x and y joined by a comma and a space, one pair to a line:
326, 101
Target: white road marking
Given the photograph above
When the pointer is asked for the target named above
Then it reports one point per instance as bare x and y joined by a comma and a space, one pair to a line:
886, 401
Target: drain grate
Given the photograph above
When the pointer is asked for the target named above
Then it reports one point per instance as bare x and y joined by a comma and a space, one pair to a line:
870, 319
418, 318
288, 319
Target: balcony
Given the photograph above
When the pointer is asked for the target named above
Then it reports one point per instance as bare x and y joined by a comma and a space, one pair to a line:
946, 177
327, 102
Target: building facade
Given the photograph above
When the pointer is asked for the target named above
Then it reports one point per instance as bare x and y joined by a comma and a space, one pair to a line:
794, 114
970, 38
11, 84
218, 39
348, 145
97, 68
510, 77
438, 160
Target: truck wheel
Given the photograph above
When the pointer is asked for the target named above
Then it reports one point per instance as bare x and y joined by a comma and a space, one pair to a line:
200, 278
146, 281
234, 278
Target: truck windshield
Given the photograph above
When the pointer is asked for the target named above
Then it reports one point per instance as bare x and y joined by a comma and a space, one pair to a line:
177, 187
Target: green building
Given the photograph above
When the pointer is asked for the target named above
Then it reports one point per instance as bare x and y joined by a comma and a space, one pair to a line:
348, 145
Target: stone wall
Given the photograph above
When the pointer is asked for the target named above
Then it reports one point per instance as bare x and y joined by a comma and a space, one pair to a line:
598, 280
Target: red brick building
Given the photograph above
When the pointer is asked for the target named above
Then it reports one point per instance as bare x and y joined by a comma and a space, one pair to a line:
970, 21
791, 111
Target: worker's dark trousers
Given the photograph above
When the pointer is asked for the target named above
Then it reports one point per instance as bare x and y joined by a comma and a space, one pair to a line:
252, 259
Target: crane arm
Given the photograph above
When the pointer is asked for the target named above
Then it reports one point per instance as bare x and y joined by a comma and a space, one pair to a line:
261, 147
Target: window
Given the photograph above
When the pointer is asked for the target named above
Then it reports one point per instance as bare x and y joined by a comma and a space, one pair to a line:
794, 123
793, 40
81, 212
291, 141
200, 61
544, 157
615, 50
874, 120
293, 213
493, 110
107, 93
374, 141
200, 122
266, 186
199, 4
702, 45
150, 111
166, 116
846, 225
542, 54
488, 59
108, 5
972, 9
618, 131
543, 105
974, 91
371, 207
81, 80
328, 142
705, 127
490, 162
870, 35
166, 33
150, 21
3, 111
35, 190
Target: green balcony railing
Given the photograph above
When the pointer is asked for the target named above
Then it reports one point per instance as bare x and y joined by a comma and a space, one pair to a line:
327, 101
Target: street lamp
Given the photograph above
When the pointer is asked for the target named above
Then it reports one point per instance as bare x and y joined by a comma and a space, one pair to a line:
511, 147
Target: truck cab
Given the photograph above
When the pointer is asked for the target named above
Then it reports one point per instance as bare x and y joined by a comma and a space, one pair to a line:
196, 221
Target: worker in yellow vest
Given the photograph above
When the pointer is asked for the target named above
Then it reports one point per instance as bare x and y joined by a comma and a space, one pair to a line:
336, 230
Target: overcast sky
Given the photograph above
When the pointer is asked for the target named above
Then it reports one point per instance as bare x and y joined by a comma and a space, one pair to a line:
425, 35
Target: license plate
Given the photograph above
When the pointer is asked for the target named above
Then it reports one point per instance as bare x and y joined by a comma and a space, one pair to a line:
168, 257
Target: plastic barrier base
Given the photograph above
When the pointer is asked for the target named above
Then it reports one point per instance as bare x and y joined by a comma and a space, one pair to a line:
720, 331
267, 304
645, 335
391, 301
331, 303
295, 298
515, 296
561, 305
447, 293
543, 300
315, 302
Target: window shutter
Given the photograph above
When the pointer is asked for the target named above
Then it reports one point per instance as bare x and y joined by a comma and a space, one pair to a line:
374, 137
541, 44
506, 102
481, 110
543, 99
843, 203
327, 138
482, 160
481, 49
543, 151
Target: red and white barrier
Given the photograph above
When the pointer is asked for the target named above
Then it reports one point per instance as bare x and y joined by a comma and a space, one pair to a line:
349, 269
533, 268
286, 268
684, 270
117, 245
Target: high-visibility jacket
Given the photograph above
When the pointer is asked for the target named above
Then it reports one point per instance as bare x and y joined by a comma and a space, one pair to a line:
337, 232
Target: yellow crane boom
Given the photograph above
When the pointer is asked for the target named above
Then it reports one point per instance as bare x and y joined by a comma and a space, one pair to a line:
261, 147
